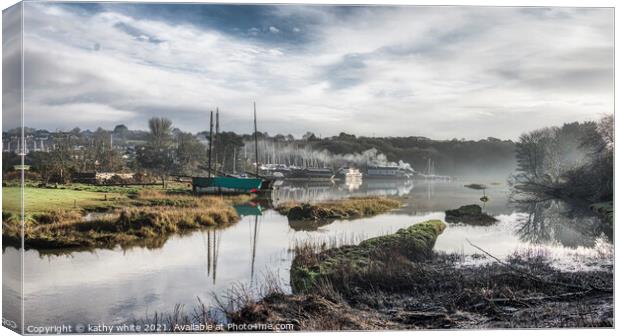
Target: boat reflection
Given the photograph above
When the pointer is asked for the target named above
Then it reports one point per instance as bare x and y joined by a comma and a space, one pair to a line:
317, 191
213, 240
249, 209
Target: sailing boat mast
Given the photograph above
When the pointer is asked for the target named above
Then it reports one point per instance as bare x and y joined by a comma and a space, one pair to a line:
216, 145
234, 163
255, 139
210, 142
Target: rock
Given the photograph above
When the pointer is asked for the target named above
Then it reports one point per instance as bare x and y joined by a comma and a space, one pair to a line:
469, 214
299, 212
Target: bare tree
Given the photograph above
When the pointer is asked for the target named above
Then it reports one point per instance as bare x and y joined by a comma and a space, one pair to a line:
157, 155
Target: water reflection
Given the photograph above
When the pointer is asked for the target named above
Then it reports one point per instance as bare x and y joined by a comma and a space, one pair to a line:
252, 211
127, 283
557, 222
254, 242
329, 190
213, 247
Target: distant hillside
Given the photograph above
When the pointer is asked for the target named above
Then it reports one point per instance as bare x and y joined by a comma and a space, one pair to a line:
453, 157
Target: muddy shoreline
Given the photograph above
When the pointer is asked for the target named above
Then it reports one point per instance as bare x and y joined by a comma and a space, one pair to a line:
394, 290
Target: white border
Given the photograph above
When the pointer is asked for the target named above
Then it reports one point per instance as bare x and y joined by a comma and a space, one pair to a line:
539, 3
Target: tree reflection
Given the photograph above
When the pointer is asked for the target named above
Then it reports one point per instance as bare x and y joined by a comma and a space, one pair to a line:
546, 221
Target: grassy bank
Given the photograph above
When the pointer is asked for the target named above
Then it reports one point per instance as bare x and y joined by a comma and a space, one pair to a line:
146, 218
342, 265
339, 209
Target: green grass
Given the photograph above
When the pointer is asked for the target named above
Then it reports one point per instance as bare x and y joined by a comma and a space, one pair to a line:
38, 200
171, 187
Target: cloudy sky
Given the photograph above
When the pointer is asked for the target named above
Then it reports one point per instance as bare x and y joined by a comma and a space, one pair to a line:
441, 72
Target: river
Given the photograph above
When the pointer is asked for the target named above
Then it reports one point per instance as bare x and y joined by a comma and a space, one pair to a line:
118, 286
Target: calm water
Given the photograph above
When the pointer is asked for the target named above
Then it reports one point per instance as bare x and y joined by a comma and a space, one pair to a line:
116, 286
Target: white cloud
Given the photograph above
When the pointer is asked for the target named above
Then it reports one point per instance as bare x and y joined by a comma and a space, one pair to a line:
440, 72
253, 31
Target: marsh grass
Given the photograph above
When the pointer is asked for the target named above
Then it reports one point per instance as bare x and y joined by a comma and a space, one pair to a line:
153, 216
56, 216
180, 320
339, 209
387, 259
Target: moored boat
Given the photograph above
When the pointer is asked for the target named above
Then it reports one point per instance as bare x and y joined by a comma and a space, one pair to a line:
224, 184
349, 173
386, 172
314, 174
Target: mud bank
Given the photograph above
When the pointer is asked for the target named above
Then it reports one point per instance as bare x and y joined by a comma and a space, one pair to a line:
397, 282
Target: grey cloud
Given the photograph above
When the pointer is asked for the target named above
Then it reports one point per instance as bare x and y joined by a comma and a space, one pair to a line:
433, 71
137, 33
11, 67
349, 71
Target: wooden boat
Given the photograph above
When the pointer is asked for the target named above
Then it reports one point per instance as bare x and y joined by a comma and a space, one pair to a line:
228, 183
224, 184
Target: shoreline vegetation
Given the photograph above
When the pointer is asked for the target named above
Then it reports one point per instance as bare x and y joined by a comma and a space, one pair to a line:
408, 286
350, 208
83, 217
139, 218
573, 162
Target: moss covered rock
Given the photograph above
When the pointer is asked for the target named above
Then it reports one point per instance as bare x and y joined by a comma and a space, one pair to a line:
469, 214
414, 243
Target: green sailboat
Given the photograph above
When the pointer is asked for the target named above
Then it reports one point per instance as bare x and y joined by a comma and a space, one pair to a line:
226, 184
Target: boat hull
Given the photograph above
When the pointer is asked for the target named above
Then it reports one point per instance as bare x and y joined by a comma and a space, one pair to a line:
226, 184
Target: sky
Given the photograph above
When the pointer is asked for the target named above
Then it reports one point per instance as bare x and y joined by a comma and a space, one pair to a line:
439, 72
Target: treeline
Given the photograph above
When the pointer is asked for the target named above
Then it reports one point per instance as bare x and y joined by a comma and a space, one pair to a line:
164, 150
156, 154
572, 161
